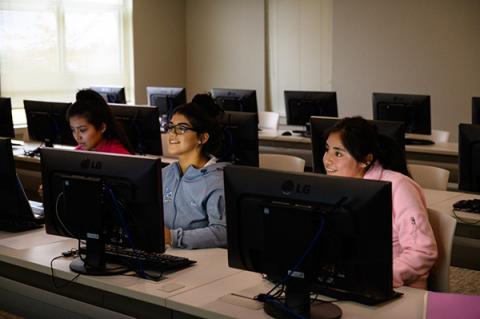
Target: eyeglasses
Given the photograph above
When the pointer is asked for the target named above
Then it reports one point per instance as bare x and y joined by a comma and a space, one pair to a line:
178, 129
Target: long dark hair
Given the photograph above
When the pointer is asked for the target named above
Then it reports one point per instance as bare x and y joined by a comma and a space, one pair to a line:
361, 138
91, 106
203, 114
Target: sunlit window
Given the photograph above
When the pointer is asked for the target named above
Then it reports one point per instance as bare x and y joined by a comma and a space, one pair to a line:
51, 48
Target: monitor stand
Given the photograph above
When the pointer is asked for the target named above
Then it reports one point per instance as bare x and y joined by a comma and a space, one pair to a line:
418, 141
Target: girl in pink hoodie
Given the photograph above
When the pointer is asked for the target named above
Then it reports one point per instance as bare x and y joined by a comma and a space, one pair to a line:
353, 148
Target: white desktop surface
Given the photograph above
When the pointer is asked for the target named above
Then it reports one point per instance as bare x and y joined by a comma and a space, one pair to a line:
434, 196
215, 301
463, 217
211, 266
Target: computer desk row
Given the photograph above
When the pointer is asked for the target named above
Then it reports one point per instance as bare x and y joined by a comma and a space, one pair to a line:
443, 155
209, 289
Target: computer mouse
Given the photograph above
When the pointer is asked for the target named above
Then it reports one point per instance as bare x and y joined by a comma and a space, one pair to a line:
287, 133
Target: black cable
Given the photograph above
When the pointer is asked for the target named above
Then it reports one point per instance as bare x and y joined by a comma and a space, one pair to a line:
53, 275
463, 220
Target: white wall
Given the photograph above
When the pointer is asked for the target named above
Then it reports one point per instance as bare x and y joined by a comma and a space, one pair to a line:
158, 45
300, 47
427, 46
225, 46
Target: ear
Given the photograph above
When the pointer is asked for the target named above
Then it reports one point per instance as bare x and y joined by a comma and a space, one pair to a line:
103, 128
368, 160
203, 138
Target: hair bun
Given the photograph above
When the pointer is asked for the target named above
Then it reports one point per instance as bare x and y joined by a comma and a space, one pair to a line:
88, 95
206, 101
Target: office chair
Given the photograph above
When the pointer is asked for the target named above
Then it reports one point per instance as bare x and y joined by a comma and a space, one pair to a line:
443, 226
429, 176
282, 162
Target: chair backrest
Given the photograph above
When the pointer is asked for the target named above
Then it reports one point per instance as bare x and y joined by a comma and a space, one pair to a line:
429, 176
443, 226
440, 136
268, 120
282, 162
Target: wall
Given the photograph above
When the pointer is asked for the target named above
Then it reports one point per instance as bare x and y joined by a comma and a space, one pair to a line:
158, 45
426, 47
225, 46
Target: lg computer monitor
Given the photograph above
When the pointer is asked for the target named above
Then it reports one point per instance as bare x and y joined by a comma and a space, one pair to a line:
111, 94
104, 199
390, 130
236, 100
166, 99
301, 105
341, 242
141, 125
16, 213
413, 110
47, 122
475, 110
469, 157
240, 131
6, 121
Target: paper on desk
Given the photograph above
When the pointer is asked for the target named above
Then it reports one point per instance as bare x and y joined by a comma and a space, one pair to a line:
28, 239
449, 305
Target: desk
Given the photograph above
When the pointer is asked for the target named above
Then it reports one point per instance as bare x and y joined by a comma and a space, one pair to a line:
444, 155
203, 292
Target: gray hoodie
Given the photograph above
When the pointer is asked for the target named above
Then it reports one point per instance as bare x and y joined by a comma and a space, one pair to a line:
194, 206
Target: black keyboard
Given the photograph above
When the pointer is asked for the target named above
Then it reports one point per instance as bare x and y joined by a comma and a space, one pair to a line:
149, 260
417, 141
469, 205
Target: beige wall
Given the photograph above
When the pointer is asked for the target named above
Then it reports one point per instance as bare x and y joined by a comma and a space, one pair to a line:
159, 45
225, 46
428, 46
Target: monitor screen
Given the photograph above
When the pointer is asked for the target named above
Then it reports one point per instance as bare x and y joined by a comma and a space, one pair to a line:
301, 105
105, 199
16, 213
395, 131
141, 125
240, 138
166, 99
475, 110
111, 94
6, 121
46, 122
413, 110
346, 223
469, 157
236, 100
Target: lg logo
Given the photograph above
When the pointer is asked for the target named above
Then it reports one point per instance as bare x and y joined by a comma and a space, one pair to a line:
87, 163
290, 187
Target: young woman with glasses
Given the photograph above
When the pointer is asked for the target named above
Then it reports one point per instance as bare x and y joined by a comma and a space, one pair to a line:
193, 192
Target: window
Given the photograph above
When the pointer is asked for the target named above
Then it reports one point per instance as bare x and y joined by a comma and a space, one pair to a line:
51, 48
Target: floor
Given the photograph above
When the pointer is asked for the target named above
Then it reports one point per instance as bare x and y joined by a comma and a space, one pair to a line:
465, 281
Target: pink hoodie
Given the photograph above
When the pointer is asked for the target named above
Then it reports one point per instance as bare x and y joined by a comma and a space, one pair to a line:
414, 246
108, 146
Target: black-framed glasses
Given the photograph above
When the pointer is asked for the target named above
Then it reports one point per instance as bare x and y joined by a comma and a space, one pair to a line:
178, 129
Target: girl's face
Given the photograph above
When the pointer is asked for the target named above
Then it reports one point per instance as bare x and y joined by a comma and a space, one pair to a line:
183, 140
338, 161
86, 135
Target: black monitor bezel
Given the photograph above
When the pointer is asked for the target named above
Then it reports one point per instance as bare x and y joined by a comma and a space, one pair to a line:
141, 173
307, 189
240, 147
417, 103
174, 97
6, 118
327, 100
55, 110
117, 92
468, 150
475, 110
148, 124
244, 100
